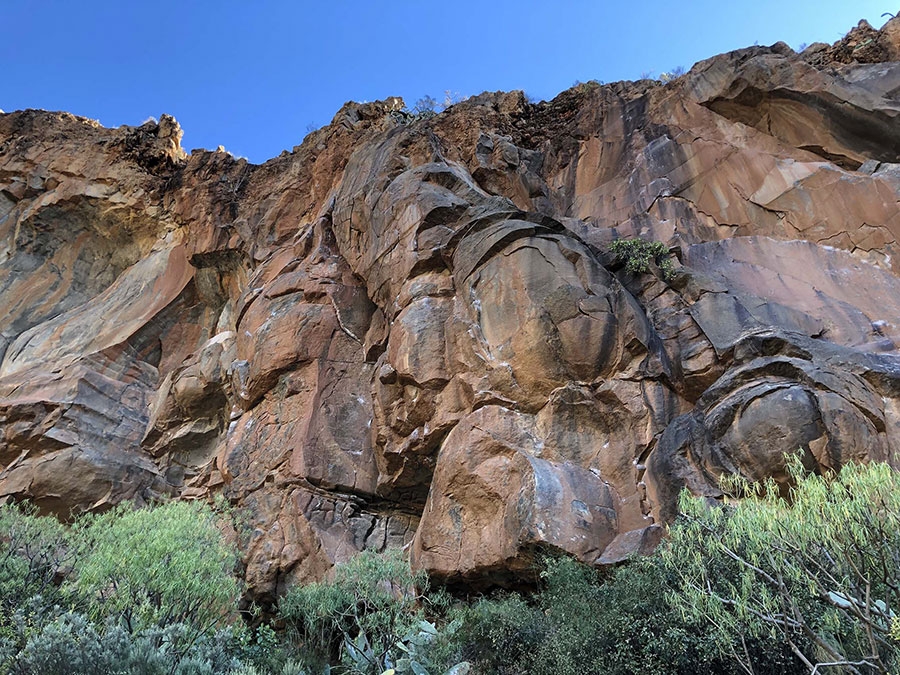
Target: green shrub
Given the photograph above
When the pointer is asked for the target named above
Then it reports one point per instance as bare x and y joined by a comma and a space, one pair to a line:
497, 635
72, 645
637, 255
819, 572
34, 552
582, 622
360, 616
155, 567
603, 626
155, 585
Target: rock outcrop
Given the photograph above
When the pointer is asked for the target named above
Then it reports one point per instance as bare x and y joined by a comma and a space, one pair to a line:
410, 331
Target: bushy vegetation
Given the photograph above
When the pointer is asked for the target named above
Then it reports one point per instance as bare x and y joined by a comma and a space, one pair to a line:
369, 618
581, 622
819, 573
151, 568
428, 106
638, 254
129, 591
762, 584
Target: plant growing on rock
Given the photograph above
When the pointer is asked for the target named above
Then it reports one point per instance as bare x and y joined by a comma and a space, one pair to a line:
425, 107
638, 254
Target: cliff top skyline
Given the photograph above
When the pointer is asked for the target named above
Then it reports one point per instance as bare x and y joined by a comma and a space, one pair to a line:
257, 80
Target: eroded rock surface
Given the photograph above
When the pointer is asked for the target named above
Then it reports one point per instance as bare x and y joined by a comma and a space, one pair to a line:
411, 332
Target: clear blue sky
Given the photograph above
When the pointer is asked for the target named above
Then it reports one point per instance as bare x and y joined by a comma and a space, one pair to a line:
254, 75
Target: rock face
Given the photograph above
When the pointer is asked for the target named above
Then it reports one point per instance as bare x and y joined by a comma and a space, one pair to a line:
411, 332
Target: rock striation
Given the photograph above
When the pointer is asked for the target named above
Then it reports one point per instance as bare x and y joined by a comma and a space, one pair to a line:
410, 331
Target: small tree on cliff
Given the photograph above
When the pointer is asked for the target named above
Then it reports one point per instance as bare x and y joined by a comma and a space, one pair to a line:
638, 254
820, 570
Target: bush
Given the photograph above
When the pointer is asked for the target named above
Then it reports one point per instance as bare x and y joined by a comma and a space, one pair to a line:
34, 552
72, 645
819, 572
361, 616
637, 255
581, 622
495, 634
155, 586
155, 567
619, 624
425, 106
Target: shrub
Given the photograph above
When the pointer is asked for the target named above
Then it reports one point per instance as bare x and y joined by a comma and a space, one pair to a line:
155, 567
34, 552
425, 106
820, 572
621, 624
637, 255
586, 87
496, 634
72, 645
582, 622
154, 586
359, 618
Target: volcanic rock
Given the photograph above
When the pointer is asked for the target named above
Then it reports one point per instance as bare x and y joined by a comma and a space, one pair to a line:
410, 331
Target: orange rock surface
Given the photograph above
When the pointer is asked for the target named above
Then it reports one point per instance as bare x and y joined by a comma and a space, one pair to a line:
411, 331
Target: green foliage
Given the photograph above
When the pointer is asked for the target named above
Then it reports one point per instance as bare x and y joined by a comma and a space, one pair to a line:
72, 645
33, 551
638, 254
820, 572
364, 617
154, 567
761, 585
155, 586
582, 623
620, 624
497, 635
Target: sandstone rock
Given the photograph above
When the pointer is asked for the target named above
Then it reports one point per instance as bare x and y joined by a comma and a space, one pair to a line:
411, 332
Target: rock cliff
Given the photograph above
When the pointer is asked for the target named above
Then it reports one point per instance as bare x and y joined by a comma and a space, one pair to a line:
411, 330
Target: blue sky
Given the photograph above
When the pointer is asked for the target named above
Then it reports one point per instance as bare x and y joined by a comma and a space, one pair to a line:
255, 75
